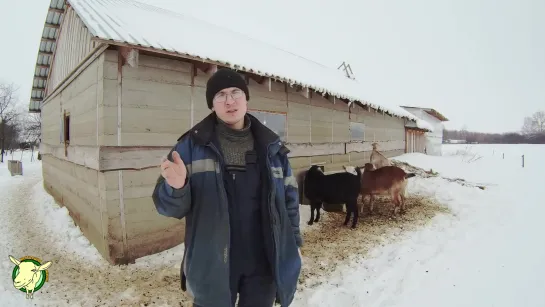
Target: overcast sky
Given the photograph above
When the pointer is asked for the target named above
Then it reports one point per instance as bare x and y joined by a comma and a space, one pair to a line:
480, 63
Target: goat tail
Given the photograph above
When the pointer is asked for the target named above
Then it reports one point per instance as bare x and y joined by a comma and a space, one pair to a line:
409, 175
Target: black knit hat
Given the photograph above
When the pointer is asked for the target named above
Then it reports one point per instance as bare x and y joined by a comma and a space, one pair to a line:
222, 79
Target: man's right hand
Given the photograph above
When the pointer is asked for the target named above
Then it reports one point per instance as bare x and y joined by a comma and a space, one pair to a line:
174, 172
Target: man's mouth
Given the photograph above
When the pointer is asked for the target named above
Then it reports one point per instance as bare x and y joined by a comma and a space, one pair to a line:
231, 111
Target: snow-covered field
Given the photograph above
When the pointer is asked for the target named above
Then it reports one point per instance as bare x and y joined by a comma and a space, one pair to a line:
487, 249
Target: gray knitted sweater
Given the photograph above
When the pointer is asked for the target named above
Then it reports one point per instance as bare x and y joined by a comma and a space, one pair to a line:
235, 143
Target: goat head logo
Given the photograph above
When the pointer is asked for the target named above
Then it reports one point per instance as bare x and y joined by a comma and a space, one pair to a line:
29, 275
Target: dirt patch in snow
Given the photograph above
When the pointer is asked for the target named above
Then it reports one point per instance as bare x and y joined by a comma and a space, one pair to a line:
328, 243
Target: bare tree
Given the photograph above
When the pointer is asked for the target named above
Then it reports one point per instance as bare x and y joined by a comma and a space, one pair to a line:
535, 124
8, 115
32, 126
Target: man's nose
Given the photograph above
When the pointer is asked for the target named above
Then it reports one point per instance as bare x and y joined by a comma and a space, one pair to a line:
229, 100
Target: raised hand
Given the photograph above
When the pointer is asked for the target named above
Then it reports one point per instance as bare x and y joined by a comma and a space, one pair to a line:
174, 172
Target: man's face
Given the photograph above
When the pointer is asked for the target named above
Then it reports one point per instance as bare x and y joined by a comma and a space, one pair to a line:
230, 105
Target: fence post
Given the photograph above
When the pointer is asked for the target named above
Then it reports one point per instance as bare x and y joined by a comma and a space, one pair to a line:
522, 160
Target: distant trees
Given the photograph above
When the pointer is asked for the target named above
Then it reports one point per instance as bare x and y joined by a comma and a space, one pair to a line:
9, 129
534, 126
18, 129
532, 132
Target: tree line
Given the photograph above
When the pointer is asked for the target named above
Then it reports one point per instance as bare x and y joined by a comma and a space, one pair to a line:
18, 128
532, 132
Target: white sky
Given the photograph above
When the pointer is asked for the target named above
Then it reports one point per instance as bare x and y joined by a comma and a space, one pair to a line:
480, 63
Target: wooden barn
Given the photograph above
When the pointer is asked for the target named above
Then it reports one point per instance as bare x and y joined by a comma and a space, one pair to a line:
115, 91
430, 141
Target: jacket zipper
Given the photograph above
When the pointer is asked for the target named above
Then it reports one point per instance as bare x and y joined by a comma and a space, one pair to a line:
224, 199
269, 205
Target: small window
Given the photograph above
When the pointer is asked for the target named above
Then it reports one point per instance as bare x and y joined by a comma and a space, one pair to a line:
357, 131
66, 126
274, 121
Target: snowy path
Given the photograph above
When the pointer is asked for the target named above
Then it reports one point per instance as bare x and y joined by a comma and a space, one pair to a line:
78, 274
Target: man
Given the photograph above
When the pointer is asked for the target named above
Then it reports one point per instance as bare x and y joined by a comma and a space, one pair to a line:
230, 177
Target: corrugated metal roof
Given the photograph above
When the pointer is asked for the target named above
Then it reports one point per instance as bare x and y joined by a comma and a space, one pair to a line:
134, 23
46, 50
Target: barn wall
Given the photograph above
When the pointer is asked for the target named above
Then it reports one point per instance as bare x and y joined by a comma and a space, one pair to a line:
73, 45
76, 187
79, 100
135, 227
159, 100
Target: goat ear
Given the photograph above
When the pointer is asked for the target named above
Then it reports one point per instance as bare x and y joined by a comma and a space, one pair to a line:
17, 262
44, 266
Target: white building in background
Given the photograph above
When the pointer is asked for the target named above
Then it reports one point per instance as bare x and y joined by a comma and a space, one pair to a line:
434, 139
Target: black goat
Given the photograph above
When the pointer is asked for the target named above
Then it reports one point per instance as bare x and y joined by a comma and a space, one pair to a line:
339, 188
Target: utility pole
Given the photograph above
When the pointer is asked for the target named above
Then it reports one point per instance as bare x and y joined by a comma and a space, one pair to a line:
347, 70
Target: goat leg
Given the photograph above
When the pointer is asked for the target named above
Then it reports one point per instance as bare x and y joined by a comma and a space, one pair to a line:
312, 206
354, 209
402, 201
371, 203
318, 207
348, 211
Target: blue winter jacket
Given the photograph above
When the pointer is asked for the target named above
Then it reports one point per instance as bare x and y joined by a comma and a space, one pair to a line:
203, 202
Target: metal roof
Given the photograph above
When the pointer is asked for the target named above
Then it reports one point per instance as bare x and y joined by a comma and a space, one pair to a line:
431, 112
46, 50
129, 22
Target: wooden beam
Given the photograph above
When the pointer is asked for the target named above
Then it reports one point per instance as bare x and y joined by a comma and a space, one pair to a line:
86, 156
114, 158
129, 56
383, 145
309, 149
304, 91
45, 53
61, 11
52, 25
42, 66
212, 68
48, 40
40, 77
38, 88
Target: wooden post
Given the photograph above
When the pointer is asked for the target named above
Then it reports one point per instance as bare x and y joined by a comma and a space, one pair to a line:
523, 161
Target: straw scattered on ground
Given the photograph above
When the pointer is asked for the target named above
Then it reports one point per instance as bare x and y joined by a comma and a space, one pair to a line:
329, 243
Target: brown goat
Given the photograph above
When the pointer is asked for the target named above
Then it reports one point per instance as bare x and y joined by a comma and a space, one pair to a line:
385, 180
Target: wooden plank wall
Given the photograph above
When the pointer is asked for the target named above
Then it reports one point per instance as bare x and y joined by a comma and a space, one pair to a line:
76, 188
159, 101
73, 179
73, 45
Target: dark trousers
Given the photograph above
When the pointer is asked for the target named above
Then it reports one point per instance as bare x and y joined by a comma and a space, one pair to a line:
254, 291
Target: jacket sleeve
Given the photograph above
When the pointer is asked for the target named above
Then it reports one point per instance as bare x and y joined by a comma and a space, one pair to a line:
173, 202
292, 200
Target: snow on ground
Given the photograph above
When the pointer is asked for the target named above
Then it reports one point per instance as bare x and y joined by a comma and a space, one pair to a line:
484, 249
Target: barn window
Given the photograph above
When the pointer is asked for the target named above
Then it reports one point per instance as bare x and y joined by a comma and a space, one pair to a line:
66, 128
275, 121
357, 131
